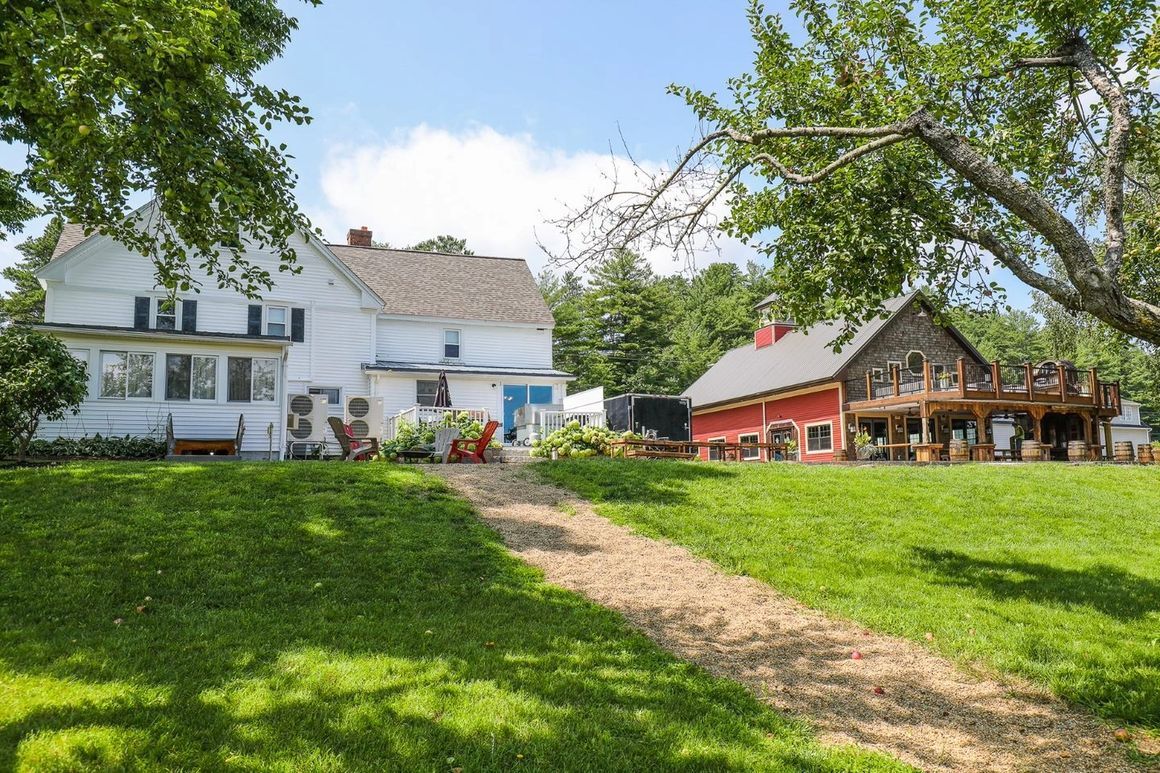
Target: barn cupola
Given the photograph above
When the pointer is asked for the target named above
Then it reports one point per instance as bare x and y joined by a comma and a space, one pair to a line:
772, 323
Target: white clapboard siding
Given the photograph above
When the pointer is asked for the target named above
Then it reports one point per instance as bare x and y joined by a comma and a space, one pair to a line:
481, 343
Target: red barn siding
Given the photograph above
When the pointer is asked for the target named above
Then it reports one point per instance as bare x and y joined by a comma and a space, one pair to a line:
802, 409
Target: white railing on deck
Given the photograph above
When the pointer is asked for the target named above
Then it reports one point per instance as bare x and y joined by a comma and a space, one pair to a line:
426, 414
550, 421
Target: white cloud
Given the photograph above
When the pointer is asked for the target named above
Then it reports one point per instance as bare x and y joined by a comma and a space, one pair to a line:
496, 190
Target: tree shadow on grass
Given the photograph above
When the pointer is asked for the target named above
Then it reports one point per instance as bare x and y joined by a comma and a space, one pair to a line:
1108, 590
326, 616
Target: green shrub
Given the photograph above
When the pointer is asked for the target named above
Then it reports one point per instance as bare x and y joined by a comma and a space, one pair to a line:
576, 441
98, 447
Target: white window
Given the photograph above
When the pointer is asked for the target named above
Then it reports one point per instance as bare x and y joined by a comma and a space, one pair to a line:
891, 365
252, 379
425, 392
333, 394
451, 344
878, 374
277, 320
749, 454
126, 375
165, 313
80, 355
715, 453
190, 377
914, 360
819, 438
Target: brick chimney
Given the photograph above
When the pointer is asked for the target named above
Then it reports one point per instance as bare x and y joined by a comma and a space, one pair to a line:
359, 237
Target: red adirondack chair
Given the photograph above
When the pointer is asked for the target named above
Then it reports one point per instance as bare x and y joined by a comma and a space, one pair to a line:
472, 450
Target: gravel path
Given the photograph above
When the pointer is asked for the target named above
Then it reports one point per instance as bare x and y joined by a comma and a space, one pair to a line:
929, 714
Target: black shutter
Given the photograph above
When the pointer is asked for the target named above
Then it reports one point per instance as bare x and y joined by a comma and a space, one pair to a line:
297, 324
141, 312
189, 316
254, 323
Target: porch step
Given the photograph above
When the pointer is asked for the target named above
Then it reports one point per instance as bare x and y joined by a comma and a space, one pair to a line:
518, 455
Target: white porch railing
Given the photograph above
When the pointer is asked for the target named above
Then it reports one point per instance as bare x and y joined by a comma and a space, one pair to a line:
425, 414
550, 421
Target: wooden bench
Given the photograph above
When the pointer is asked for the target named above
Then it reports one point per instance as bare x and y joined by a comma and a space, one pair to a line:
218, 447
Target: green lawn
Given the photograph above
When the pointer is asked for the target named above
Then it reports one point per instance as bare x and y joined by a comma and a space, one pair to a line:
327, 617
1047, 571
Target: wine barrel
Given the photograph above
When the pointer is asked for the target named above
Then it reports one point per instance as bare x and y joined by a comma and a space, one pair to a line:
1032, 451
959, 451
1145, 455
1077, 451
1122, 451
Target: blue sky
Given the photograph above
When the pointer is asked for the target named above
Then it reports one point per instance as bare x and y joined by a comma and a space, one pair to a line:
483, 119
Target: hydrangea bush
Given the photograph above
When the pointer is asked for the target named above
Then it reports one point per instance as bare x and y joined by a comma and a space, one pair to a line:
576, 441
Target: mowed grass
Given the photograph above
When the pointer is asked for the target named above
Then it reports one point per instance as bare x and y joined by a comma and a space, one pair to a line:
327, 617
1051, 572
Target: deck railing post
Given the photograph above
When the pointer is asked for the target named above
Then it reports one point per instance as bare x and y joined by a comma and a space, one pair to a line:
870, 386
1062, 381
997, 378
961, 366
1029, 380
926, 376
894, 376
1094, 386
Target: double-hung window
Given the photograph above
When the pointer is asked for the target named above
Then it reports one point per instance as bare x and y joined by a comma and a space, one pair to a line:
425, 392
126, 375
165, 314
819, 438
749, 454
190, 377
451, 346
277, 320
252, 379
715, 452
333, 394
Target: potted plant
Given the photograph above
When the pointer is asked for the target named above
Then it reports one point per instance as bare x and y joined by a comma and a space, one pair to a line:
791, 450
864, 446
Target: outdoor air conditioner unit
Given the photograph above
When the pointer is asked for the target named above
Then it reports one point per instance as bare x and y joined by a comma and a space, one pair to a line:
365, 416
306, 420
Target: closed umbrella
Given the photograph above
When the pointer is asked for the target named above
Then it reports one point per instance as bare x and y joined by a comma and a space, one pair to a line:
442, 393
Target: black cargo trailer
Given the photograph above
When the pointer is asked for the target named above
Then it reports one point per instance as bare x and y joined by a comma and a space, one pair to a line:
653, 416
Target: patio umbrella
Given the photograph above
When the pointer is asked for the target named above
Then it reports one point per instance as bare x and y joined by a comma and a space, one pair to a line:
442, 393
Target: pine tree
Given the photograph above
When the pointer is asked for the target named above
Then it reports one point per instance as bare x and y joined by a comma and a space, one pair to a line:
25, 302
625, 305
571, 337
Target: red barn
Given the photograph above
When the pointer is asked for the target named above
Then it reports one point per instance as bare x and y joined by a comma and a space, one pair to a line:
913, 386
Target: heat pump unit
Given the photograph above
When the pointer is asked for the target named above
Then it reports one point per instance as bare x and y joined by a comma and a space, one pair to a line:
306, 421
365, 416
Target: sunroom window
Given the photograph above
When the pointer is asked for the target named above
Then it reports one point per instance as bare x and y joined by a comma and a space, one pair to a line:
252, 379
126, 375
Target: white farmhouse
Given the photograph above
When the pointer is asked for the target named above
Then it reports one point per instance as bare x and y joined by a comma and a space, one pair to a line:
356, 321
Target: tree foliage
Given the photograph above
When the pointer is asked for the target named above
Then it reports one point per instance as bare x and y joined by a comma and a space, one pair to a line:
117, 97
39, 380
25, 302
909, 142
626, 329
445, 243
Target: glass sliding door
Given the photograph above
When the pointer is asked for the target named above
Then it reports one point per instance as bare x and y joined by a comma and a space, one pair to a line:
515, 396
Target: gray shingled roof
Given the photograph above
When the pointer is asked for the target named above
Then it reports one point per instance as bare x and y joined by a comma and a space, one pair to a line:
433, 284
71, 235
799, 358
